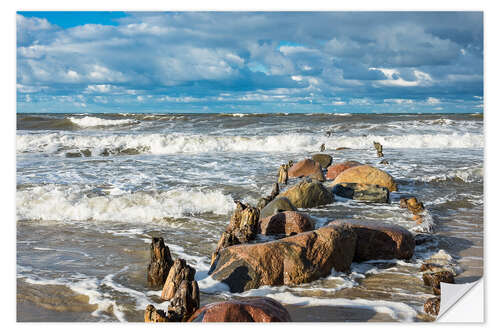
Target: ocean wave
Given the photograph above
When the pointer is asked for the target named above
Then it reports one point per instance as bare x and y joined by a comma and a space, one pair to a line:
465, 175
100, 122
65, 203
179, 143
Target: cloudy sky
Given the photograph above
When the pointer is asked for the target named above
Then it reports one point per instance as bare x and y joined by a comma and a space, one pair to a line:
250, 62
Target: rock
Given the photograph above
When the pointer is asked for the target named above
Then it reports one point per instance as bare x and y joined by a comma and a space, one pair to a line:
324, 160
306, 167
151, 315
412, 204
322, 148
378, 240
334, 170
384, 161
431, 306
288, 261
308, 195
431, 267
422, 238
342, 148
434, 280
248, 309
86, 152
242, 227
180, 271
283, 174
161, 262
366, 174
73, 154
378, 148
288, 223
362, 192
279, 204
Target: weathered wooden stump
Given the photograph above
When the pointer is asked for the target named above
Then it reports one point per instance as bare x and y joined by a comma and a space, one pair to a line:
161, 262
378, 148
180, 271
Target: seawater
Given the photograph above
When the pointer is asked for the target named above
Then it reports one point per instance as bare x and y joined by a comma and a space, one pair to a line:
92, 189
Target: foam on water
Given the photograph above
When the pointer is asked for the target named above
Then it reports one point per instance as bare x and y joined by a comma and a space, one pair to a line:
185, 143
61, 203
98, 122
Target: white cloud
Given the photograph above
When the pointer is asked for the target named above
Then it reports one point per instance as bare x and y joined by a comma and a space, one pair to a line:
432, 101
398, 101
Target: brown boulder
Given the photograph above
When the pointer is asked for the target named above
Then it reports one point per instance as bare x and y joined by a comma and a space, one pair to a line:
324, 160
248, 309
288, 223
288, 261
308, 195
378, 240
366, 174
334, 170
306, 167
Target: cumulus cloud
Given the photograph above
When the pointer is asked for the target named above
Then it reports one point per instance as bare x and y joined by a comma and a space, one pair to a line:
194, 57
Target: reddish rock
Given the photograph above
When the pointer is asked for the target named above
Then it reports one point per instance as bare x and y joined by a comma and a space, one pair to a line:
306, 167
288, 261
288, 223
378, 240
432, 305
334, 170
366, 174
249, 309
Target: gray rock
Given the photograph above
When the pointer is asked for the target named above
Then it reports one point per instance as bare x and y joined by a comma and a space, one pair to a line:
362, 192
279, 204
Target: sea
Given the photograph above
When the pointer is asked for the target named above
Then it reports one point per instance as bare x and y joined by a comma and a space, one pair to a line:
93, 189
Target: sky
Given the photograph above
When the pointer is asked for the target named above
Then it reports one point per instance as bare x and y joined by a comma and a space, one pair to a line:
250, 62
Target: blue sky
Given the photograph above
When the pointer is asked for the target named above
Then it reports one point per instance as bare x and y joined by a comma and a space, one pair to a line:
250, 62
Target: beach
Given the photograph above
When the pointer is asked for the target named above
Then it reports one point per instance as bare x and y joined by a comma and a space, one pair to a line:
94, 189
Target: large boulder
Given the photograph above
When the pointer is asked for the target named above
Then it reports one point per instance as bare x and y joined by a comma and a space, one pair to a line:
366, 174
306, 167
378, 240
362, 192
334, 170
248, 309
279, 204
288, 223
308, 195
288, 261
324, 160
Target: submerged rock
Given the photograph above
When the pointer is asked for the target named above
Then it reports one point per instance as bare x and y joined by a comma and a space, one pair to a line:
308, 195
362, 192
306, 167
289, 223
279, 204
366, 174
412, 204
434, 280
161, 262
334, 170
379, 240
288, 261
324, 160
248, 309
431, 305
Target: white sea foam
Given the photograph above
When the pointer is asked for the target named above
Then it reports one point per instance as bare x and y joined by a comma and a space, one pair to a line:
98, 122
60, 203
466, 174
398, 311
178, 143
